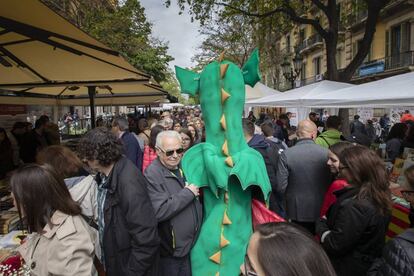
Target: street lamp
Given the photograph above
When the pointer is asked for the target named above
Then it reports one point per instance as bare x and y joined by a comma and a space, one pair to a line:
292, 73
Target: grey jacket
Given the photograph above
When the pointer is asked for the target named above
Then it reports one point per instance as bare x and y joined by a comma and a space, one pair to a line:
304, 177
173, 202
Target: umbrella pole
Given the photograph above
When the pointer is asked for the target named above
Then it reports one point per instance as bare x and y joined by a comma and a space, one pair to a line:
91, 93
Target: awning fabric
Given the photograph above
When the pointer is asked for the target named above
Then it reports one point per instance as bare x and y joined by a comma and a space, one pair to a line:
259, 91
53, 49
301, 96
41, 53
389, 92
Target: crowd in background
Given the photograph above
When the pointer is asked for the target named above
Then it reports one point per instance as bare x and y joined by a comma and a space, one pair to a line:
125, 207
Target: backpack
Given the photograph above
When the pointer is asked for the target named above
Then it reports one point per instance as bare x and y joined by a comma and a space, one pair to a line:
273, 152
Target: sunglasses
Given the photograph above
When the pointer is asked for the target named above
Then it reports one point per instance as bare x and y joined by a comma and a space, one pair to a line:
171, 152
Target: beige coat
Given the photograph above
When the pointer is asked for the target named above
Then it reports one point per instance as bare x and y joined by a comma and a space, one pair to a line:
65, 249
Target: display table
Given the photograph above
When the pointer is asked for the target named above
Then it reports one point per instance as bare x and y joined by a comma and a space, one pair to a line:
400, 212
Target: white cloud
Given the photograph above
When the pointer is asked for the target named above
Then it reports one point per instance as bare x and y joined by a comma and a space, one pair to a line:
178, 30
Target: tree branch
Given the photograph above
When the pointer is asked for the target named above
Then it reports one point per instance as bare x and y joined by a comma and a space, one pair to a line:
302, 20
370, 27
288, 10
261, 15
321, 6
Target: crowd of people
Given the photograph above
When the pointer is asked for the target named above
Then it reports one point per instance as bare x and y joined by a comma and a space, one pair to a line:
121, 205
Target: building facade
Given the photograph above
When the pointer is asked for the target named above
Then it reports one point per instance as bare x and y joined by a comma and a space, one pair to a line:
391, 53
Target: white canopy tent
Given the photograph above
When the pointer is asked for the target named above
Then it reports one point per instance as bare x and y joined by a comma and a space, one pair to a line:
301, 96
259, 91
297, 100
390, 92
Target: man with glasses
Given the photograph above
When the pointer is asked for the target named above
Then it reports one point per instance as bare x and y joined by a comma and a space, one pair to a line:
176, 205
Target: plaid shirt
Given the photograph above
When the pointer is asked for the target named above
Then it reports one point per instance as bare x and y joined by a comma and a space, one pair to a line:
102, 190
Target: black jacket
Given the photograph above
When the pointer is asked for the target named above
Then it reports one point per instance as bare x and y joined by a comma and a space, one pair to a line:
269, 152
130, 240
397, 257
356, 234
176, 206
132, 149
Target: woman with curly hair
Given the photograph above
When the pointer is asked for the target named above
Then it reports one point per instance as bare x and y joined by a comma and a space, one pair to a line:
353, 234
126, 219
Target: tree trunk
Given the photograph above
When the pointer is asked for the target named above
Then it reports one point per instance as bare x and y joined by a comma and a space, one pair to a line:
344, 116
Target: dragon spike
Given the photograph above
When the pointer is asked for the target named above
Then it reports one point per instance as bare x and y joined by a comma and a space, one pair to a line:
221, 57
225, 149
226, 220
223, 241
224, 95
223, 122
223, 70
229, 161
216, 257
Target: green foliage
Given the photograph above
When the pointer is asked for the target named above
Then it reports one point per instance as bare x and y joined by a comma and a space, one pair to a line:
123, 27
127, 30
171, 85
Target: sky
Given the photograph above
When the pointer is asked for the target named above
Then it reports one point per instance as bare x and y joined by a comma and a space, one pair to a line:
178, 30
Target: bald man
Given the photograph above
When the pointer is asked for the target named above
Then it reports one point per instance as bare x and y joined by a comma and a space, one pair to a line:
303, 177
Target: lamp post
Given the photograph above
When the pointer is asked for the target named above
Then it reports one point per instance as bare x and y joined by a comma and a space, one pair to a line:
292, 73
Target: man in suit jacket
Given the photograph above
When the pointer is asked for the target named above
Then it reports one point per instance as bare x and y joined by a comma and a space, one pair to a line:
132, 150
303, 177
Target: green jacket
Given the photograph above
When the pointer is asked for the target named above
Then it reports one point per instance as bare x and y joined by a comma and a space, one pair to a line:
328, 138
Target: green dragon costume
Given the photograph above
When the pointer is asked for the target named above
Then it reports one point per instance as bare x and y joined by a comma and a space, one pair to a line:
225, 164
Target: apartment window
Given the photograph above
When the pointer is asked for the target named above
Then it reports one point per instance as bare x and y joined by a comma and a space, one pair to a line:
303, 72
395, 40
400, 38
317, 65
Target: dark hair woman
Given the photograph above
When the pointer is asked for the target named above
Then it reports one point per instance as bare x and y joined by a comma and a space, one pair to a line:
394, 141
81, 185
149, 150
194, 133
284, 249
335, 151
353, 235
61, 243
187, 138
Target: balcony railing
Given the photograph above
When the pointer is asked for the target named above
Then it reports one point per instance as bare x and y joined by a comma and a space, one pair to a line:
394, 62
357, 17
310, 42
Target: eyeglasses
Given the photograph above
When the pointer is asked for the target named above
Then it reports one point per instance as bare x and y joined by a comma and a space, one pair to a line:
248, 269
171, 152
